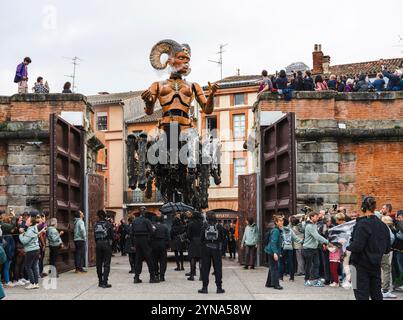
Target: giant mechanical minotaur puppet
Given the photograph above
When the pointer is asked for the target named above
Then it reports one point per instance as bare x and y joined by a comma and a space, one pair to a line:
175, 94
177, 181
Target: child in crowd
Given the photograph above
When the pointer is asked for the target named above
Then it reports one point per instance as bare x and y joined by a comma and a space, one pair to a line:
334, 259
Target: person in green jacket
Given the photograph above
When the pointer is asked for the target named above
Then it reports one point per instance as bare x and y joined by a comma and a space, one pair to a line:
55, 242
30, 241
250, 240
273, 250
80, 237
312, 240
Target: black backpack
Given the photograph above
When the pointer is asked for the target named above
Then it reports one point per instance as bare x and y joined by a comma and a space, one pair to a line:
140, 226
101, 231
211, 233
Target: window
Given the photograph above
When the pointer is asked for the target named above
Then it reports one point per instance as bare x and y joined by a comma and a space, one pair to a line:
239, 169
106, 158
106, 192
239, 99
239, 126
102, 121
211, 124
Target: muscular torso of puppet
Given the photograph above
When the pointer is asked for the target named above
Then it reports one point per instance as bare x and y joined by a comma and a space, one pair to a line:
175, 95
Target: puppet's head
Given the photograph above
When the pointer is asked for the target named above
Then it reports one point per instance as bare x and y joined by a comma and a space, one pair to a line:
178, 56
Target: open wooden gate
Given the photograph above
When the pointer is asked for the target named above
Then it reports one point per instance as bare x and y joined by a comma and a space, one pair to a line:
278, 168
95, 203
66, 183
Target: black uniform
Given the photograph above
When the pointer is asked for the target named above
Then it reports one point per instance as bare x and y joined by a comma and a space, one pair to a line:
193, 233
142, 230
130, 246
211, 251
159, 245
178, 244
370, 240
103, 232
225, 242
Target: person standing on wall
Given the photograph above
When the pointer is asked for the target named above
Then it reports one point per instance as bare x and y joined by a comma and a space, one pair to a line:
21, 76
80, 236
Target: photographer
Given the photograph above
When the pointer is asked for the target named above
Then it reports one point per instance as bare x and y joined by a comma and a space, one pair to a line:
395, 79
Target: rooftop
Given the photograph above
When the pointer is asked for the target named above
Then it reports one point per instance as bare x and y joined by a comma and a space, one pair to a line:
109, 98
369, 67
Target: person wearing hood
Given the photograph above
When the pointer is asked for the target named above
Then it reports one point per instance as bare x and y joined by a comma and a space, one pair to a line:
287, 258
30, 241
193, 233
312, 240
250, 240
80, 236
211, 238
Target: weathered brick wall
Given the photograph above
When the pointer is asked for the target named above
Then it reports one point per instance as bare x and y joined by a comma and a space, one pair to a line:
24, 157
375, 168
341, 165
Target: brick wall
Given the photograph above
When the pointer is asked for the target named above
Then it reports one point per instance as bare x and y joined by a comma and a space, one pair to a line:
336, 166
374, 168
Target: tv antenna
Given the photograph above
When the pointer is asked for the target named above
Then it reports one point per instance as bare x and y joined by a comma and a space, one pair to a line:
220, 60
75, 61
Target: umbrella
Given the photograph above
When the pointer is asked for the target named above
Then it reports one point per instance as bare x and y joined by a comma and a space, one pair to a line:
172, 207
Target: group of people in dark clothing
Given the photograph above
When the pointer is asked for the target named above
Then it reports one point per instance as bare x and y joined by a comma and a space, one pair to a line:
203, 238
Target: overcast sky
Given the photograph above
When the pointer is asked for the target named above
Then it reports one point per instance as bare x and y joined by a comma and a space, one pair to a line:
114, 38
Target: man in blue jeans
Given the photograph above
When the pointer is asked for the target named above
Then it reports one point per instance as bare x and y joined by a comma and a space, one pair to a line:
312, 241
80, 236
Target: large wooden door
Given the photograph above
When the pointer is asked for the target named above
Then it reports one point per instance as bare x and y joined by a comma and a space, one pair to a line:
66, 183
278, 168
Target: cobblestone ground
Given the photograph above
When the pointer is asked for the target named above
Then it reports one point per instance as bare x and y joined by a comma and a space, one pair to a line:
239, 284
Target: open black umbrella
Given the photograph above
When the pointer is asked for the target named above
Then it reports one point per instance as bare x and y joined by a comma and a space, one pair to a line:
172, 207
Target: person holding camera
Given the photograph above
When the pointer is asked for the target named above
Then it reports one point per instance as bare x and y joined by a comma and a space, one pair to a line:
370, 240
395, 79
103, 232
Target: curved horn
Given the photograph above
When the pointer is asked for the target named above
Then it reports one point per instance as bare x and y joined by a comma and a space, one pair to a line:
168, 47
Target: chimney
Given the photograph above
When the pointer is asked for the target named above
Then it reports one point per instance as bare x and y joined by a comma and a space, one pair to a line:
317, 59
326, 64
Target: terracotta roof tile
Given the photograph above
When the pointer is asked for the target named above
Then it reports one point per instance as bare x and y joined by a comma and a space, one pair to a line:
370, 67
100, 99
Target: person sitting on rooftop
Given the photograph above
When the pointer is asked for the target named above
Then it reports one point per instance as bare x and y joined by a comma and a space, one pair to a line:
39, 87
320, 84
281, 80
379, 82
395, 78
349, 85
332, 83
363, 85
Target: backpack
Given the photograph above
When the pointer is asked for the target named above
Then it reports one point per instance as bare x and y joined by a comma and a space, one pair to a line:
101, 232
211, 233
3, 255
140, 226
287, 238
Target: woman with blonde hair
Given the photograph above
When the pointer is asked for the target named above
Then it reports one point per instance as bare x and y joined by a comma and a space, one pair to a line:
55, 242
